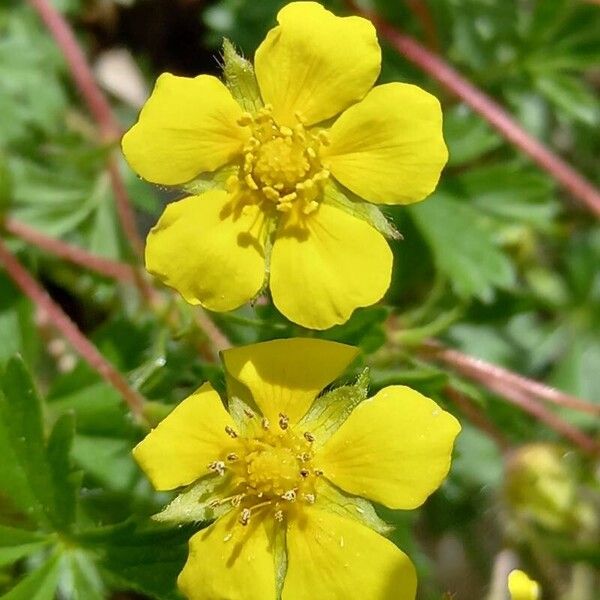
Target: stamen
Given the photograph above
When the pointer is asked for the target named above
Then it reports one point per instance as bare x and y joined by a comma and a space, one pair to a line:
304, 473
290, 496
283, 421
232, 457
218, 466
318, 472
248, 413
245, 517
265, 423
310, 498
278, 516
309, 437
230, 431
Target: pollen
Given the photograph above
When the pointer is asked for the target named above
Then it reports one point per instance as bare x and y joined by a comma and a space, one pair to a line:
271, 473
282, 167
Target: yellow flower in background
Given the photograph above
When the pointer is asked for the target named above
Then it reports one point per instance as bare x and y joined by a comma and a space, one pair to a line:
285, 174
521, 587
284, 471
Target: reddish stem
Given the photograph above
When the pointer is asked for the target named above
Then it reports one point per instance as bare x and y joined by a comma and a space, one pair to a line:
452, 80
483, 372
98, 106
74, 254
477, 417
31, 288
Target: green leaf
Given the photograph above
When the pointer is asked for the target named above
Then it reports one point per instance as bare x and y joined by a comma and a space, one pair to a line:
17, 543
147, 560
571, 96
80, 577
37, 585
462, 247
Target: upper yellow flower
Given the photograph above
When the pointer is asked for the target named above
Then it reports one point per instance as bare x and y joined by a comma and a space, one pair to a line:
521, 587
281, 474
285, 174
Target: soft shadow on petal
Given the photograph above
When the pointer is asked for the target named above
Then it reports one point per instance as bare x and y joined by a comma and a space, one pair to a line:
316, 63
209, 251
395, 448
285, 376
389, 147
188, 126
193, 435
320, 275
229, 561
331, 557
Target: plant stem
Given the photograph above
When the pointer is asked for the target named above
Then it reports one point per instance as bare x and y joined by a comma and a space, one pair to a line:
578, 186
88, 352
73, 254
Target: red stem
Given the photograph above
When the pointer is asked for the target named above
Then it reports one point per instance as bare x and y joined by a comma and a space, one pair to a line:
452, 80
483, 372
32, 289
98, 106
74, 254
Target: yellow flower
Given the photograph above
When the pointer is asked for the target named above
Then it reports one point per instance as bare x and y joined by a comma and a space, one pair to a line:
285, 174
284, 475
521, 587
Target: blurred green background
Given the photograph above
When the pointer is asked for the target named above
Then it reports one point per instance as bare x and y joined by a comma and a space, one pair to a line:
499, 263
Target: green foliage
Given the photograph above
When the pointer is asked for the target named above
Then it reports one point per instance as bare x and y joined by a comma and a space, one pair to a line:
499, 263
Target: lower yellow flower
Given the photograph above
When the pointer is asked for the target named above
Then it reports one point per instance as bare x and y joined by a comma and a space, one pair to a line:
521, 587
285, 471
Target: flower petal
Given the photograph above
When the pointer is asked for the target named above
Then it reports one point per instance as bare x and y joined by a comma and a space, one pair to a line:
206, 250
315, 63
193, 435
389, 147
285, 376
318, 277
521, 587
395, 448
330, 556
235, 568
187, 126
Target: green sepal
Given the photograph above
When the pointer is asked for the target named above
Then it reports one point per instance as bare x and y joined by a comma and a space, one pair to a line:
209, 181
330, 410
194, 504
352, 507
240, 78
344, 199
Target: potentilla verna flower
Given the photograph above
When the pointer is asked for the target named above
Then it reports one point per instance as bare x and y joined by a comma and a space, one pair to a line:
284, 474
286, 162
521, 587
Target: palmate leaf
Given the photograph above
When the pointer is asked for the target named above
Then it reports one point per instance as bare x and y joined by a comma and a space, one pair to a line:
38, 585
461, 247
17, 543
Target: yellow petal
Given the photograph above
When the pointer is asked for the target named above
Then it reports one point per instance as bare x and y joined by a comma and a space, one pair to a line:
179, 450
187, 126
318, 278
207, 251
389, 147
331, 557
285, 376
315, 63
521, 587
229, 561
395, 448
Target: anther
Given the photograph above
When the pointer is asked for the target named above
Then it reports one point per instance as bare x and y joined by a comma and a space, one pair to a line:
250, 182
310, 498
304, 472
265, 423
283, 421
245, 517
309, 437
318, 472
228, 537
286, 131
218, 466
304, 457
278, 515
232, 457
245, 119
230, 431
248, 413
290, 496
235, 501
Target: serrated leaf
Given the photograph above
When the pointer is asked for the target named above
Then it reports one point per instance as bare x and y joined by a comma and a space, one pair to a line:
462, 248
39, 584
17, 543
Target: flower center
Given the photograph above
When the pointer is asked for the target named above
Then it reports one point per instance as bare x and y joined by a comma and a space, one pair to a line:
282, 166
271, 471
